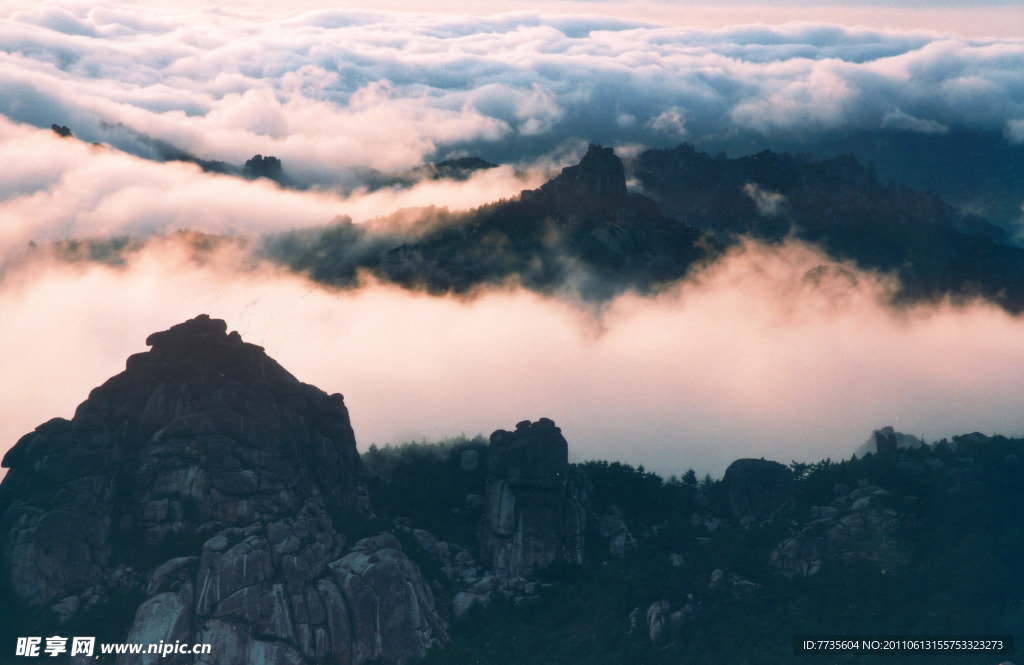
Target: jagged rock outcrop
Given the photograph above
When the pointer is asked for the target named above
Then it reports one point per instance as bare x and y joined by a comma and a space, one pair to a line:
200, 489
596, 185
886, 442
664, 623
756, 488
535, 509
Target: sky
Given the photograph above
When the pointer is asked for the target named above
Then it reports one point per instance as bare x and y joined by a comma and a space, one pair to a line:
741, 360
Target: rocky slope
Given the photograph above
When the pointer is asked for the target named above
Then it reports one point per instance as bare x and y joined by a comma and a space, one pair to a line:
917, 540
200, 496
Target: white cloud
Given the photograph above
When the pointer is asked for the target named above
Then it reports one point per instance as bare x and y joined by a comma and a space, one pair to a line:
70, 189
752, 358
333, 90
1015, 130
897, 119
768, 203
670, 122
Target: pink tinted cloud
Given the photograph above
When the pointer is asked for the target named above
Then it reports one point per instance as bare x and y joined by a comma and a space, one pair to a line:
752, 358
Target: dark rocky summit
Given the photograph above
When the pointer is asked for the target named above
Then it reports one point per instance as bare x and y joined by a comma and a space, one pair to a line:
535, 511
596, 185
200, 492
886, 443
581, 228
263, 167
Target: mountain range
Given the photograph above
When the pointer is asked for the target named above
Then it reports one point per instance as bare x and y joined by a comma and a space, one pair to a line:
606, 225
587, 232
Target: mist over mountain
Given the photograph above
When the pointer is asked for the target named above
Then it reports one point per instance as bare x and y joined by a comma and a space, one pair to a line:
761, 287
722, 338
648, 273
581, 231
584, 233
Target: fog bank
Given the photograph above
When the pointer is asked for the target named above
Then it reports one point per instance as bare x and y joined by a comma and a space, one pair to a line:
751, 359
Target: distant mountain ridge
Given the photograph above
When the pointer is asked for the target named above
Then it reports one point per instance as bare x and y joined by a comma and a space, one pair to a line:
839, 205
587, 235
586, 232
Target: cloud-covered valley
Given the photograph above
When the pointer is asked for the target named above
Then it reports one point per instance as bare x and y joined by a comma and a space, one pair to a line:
775, 350
751, 358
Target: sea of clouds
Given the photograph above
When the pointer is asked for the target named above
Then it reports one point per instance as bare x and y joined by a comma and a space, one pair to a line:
333, 92
747, 358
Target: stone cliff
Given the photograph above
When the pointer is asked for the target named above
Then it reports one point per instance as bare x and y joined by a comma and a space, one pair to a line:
203, 489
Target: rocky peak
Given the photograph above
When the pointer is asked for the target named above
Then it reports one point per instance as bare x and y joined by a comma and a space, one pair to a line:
597, 183
600, 177
263, 167
192, 332
204, 431
205, 483
534, 454
535, 508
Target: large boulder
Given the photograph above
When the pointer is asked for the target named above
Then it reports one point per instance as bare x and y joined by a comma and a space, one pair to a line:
535, 508
199, 492
885, 443
756, 488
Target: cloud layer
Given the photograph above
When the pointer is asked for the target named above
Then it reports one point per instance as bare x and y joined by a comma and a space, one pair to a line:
331, 92
756, 357
69, 189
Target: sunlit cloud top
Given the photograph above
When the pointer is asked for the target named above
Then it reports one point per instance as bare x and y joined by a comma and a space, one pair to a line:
334, 91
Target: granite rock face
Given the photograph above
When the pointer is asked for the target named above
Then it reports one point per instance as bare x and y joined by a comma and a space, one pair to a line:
201, 486
535, 509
